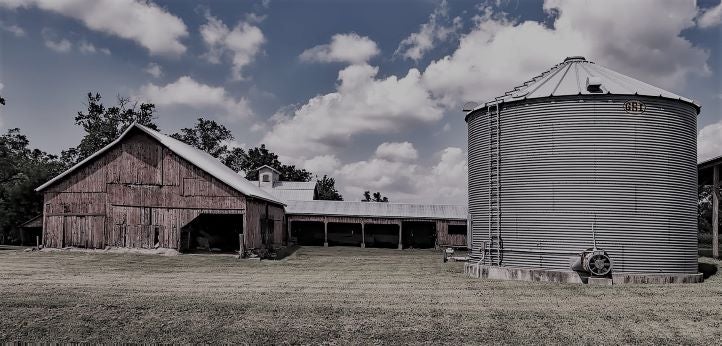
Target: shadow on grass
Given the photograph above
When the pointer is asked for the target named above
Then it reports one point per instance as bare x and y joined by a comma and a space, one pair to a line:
707, 269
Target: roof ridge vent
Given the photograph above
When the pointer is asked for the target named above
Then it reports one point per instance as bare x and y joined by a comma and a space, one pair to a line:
575, 58
594, 84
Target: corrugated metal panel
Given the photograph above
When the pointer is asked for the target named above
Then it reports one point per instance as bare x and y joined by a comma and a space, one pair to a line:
572, 163
291, 195
570, 78
377, 209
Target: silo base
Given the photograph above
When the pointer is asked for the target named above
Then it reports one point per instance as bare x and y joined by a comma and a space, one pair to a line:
569, 276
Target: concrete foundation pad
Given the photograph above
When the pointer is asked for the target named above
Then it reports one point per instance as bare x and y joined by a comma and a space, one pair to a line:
569, 276
654, 278
599, 281
521, 274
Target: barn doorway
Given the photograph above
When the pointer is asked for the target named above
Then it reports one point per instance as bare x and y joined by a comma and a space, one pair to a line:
344, 234
382, 235
309, 233
419, 234
218, 233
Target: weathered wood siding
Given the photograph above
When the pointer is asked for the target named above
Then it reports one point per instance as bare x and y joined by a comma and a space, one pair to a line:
137, 191
443, 238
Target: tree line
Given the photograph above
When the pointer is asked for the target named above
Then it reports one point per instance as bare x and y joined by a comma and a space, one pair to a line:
23, 168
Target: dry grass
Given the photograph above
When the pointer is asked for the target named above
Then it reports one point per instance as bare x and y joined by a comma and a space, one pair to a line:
339, 295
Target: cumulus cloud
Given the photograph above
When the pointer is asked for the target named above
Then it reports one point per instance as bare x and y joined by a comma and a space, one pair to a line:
404, 180
140, 21
154, 70
52, 41
500, 53
242, 43
12, 28
361, 103
348, 48
439, 28
397, 151
86, 47
709, 142
187, 92
711, 17
322, 164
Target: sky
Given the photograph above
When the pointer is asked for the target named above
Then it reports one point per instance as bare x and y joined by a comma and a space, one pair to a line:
368, 92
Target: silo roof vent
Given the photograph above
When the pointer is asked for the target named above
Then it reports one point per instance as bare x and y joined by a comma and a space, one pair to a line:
575, 58
594, 84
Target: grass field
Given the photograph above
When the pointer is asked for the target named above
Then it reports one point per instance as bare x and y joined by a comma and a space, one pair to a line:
337, 295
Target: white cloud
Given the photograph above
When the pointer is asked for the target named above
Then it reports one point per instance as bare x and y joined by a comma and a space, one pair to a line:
499, 53
711, 17
187, 92
154, 70
242, 43
362, 103
397, 151
86, 47
322, 164
52, 41
709, 141
406, 181
439, 28
140, 21
13, 29
348, 48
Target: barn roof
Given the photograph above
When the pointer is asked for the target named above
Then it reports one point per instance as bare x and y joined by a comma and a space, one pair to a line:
377, 209
197, 157
291, 190
573, 77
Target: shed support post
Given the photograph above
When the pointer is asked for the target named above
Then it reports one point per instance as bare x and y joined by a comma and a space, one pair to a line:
715, 211
290, 240
325, 232
401, 246
363, 234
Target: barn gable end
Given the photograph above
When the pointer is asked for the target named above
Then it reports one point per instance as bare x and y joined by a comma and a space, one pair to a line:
139, 193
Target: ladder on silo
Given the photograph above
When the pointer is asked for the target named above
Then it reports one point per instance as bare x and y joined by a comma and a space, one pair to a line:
492, 253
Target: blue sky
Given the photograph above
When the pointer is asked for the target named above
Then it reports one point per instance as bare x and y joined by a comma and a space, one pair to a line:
367, 91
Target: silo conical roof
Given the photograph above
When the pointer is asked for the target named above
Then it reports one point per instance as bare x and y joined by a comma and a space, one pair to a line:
578, 76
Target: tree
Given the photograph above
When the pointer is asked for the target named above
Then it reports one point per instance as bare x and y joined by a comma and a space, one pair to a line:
260, 156
211, 137
22, 170
326, 188
376, 197
103, 125
2, 100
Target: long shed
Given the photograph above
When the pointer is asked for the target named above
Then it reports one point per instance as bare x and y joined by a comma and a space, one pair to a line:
146, 190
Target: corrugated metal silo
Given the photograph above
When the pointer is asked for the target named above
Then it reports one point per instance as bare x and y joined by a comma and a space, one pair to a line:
583, 152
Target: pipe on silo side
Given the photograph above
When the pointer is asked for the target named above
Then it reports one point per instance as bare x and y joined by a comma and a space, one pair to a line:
568, 160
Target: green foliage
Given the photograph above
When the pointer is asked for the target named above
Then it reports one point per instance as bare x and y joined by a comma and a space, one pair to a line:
326, 188
375, 198
2, 100
22, 170
103, 125
260, 156
209, 136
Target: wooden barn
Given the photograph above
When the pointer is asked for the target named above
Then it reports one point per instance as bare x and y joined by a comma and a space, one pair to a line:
148, 190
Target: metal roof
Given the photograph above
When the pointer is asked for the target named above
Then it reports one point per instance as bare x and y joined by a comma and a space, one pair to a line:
377, 209
197, 157
572, 77
291, 195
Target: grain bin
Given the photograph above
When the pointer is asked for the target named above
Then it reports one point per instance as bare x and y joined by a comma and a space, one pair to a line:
582, 158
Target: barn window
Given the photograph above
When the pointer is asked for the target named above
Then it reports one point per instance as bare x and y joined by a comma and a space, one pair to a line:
266, 178
457, 229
